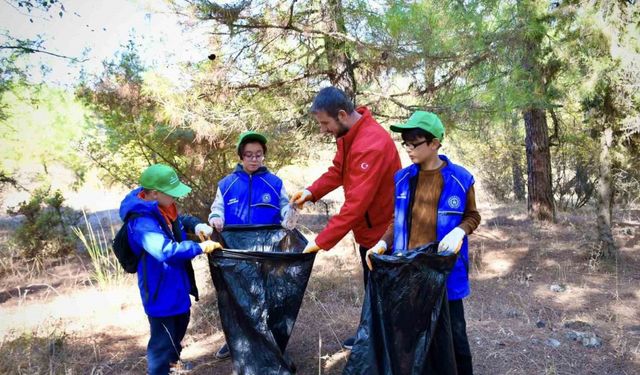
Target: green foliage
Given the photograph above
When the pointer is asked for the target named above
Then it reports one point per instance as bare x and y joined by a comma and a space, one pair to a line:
106, 269
44, 232
43, 127
149, 119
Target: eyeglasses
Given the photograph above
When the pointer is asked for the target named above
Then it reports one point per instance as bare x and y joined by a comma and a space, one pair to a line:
412, 146
251, 156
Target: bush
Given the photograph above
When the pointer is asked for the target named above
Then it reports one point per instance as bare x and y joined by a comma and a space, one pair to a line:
45, 229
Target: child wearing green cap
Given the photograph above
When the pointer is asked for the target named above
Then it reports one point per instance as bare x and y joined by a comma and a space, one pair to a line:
156, 234
435, 201
250, 194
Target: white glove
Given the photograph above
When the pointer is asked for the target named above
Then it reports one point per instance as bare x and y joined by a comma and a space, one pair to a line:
203, 229
217, 222
311, 248
379, 248
299, 197
452, 242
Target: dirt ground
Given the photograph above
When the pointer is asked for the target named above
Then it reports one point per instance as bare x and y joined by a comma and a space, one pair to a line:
535, 288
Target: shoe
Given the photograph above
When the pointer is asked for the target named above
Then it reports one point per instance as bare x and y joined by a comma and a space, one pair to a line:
348, 343
180, 367
223, 352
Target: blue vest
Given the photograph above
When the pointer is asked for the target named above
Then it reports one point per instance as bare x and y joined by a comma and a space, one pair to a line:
451, 206
251, 199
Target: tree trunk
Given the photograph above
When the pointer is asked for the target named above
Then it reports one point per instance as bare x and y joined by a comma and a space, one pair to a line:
338, 57
605, 197
516, 166
540, 194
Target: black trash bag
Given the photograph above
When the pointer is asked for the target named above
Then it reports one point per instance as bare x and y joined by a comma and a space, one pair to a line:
260, 277
405, 325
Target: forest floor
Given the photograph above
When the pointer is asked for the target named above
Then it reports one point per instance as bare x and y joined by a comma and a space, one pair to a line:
541, 303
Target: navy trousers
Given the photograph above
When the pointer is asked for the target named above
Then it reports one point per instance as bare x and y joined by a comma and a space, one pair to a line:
460, 339
164, 344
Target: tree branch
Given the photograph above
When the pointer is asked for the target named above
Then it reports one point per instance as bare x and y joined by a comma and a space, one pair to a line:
34, 50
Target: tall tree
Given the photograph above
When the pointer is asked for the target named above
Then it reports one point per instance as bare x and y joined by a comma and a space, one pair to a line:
611, 97
540, 191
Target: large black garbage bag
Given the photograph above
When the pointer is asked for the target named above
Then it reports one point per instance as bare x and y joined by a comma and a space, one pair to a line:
260, 278
405, 325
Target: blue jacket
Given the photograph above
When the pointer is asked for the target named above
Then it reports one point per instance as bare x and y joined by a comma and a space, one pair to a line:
451, 206
165, 274
251, 198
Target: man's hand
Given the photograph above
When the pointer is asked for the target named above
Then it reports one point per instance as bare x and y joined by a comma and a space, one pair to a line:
379, 248
311, 248
300, 197
452, 242
217, 222
209, 246
203, 230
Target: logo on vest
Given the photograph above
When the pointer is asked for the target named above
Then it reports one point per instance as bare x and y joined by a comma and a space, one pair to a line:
266, 197
364, 166
232, 201
454, 201
402, 196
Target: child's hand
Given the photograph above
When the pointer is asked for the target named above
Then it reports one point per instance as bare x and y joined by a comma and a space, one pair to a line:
452, 241
209, 246
203, 230
217, 222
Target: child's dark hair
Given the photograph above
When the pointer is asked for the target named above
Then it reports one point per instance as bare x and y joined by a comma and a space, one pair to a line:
244, 143
411, 135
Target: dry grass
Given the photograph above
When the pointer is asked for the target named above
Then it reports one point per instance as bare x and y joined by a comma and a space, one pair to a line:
58, 322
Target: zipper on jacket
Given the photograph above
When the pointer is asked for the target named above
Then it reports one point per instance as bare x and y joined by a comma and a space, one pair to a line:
366, 217
250, 200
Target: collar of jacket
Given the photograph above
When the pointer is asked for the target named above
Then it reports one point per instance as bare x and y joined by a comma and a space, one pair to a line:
239, 169
348, 138
414, 169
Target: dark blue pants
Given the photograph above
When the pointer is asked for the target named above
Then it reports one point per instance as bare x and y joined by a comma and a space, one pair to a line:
164, 344
365, 268
460, 340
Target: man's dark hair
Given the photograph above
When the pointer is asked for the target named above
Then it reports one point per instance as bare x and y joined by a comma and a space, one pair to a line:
244, 143
331, 100
411, 135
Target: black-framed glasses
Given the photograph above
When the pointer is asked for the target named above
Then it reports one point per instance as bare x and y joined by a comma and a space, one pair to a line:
249, 155
412, 146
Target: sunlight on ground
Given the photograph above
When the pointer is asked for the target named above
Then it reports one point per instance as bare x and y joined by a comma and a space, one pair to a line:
84, 312
575, 296
336, 359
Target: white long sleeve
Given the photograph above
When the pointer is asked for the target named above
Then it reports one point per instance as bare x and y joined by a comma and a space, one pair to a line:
217, 207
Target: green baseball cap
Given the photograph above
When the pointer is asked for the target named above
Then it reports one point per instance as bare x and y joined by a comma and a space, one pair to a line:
251, 136
426, 121
164, 179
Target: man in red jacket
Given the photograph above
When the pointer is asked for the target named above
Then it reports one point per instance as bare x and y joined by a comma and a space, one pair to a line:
364, 166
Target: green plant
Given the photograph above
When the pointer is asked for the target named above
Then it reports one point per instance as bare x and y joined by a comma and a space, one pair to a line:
106, 269
44, 232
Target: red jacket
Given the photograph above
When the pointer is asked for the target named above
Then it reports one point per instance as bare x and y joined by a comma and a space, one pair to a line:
364, 166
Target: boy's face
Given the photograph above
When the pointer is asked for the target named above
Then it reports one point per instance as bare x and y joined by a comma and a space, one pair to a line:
421, 151
252, 157
163, 199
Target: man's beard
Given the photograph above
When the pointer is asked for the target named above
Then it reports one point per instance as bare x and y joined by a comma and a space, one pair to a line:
342, 129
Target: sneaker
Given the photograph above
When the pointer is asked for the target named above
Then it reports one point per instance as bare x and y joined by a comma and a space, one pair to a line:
223, 352
180, 367
348, 343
